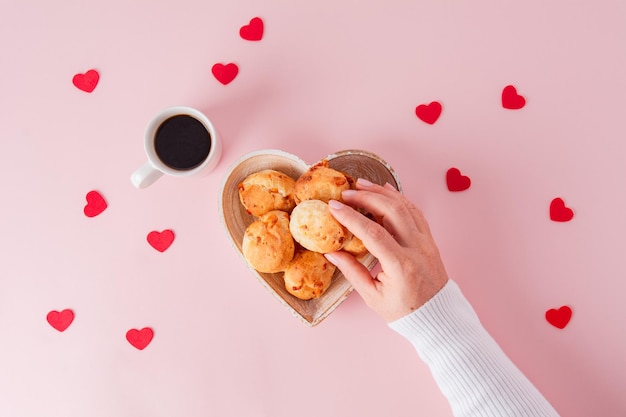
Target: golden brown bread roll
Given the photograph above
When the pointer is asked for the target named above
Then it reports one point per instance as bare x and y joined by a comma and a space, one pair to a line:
355, 246
267, 190
267, 243
308, 275
320, 182
313, 227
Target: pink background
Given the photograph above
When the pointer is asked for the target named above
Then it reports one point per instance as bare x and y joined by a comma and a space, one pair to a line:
327, 75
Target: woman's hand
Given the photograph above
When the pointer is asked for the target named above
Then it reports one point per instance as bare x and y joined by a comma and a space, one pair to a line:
412, 270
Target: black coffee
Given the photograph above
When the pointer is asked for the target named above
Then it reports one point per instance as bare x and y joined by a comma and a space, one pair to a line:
182, 142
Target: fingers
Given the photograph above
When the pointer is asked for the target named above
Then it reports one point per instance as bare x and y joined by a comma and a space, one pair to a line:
398, 215
418, 217
375, 238
391, 191
354, 271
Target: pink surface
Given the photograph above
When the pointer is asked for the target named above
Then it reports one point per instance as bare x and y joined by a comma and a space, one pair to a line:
326, 76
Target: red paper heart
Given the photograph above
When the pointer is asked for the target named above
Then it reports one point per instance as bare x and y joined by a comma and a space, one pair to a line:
429, 113
225, 73
559, 318
511, 100
96, 204
161, 240
60, 320
559, 212
140, 338
457, 181
252, 31
86, 82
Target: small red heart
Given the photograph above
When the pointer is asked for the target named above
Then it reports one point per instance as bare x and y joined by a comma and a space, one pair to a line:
559, 212
559, 318
140, 338
225, 73
429, 113
86, 82
161, 240
456, 181
60, 320
96, 204
511, 100
252, 31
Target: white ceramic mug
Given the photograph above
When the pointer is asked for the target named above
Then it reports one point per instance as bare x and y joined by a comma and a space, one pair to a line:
178, 131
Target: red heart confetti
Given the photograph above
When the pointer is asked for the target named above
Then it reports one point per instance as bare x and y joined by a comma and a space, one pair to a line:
86, 82
96, 204
559, 212
60, 320
225, 73
252, 31
511, 100
140, 338
429, 113
457, 181
559, 318
161, 240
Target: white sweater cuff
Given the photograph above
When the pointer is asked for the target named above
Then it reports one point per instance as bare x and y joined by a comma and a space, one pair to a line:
470, 368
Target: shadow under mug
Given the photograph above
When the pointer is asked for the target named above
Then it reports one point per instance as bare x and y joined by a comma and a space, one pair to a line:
181, 142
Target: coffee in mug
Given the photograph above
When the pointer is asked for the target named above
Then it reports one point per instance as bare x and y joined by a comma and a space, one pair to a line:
181, 142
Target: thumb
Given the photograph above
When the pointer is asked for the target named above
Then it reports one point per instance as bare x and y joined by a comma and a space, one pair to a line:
354, 271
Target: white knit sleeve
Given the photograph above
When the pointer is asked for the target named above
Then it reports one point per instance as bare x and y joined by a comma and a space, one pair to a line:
472, 371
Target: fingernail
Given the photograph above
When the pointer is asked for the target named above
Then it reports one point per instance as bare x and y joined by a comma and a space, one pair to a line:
364, 182
348, 193
335, 204
331, 258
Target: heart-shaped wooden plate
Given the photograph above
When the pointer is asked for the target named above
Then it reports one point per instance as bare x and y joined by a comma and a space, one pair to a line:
357, 163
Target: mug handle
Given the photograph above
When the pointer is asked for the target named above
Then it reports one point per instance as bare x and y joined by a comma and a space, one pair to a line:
145, 175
